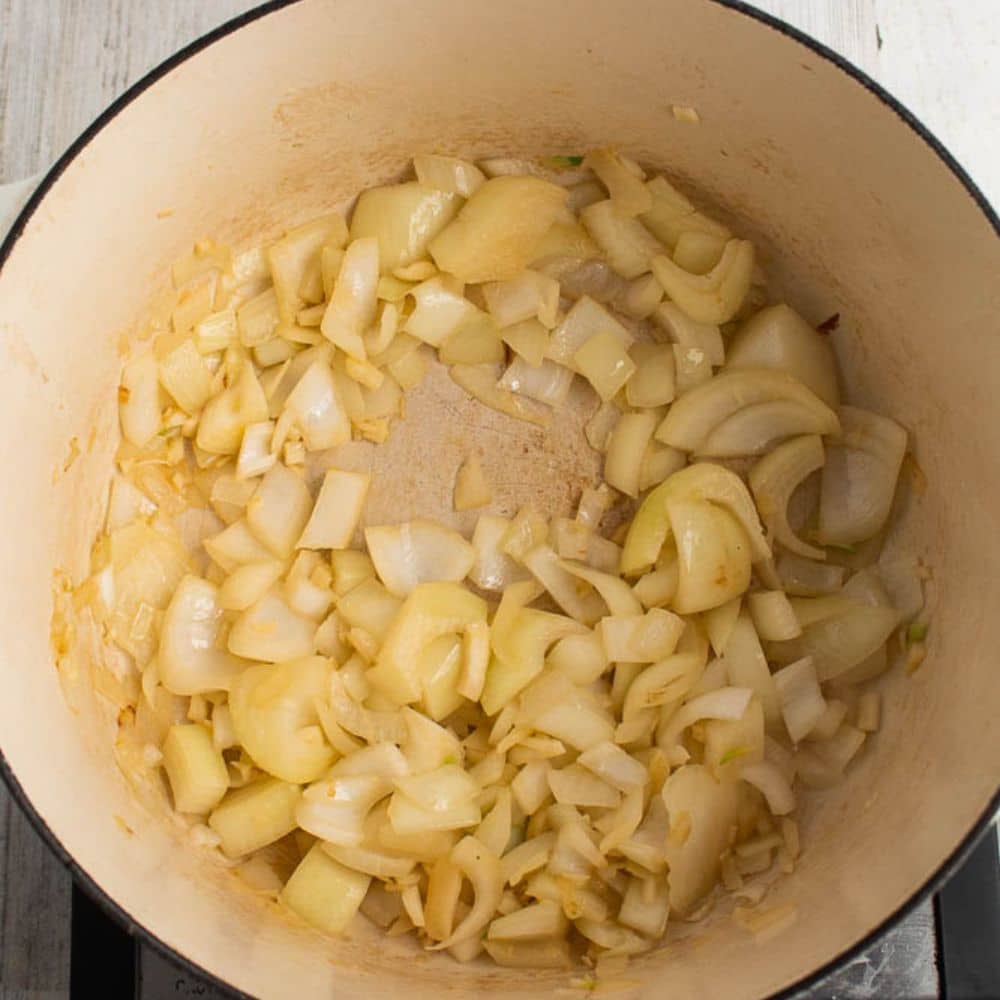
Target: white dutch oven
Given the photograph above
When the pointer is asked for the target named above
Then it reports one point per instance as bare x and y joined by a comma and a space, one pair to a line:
294, 107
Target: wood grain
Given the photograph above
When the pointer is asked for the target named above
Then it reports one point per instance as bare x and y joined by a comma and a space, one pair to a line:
63, 61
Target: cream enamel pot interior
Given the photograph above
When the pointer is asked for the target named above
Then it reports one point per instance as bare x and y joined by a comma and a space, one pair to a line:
293, 108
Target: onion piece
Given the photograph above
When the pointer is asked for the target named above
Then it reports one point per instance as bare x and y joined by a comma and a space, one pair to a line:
279, 509
714, 297
713, 555
493, 569
528, 295
685, 332
440, 310
226, 416
601, 425
627, 449
575, 785
335, 810
673, 214
315, 407
544, 565
802, 702
448, 173
497, 230
806, 578
189, 659
580, 657
773, 615
627, 190
585, 320
337, 511
480, 381
859, 478
711, 809
614, 766
431, 610
482, 868
274, 715
768, 779
747, 666
691, 420
627, 244
651, 525
662, 683
616, 592
402, 219
353, 302
653, 381
604, 362
776, 477
269, 630
778, 337
418, 551
476, 341
547, 383
139, 395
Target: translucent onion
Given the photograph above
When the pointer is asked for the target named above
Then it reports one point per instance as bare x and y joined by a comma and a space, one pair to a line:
714, 297
626, 188
768, 779
627, 450
662, 684
806, 578
448, 173
335, 810
585, 320
778, 337
653, 381
480, 381
545, 566
190, 660
269, 630
279, 509
773, 615
475, 342
529, 295
575, 785
747, 666
440, 310
353, 302
616, 592
274, 715
498, 229
338, 507
693, 419
802, 702
711, 808
651, 525
482, 868
139, 406
640, 638
859, 478
419, 551
685, 332
226, 416
315, 407
627, 244
547, 383
493, 569
673, 214
776, 477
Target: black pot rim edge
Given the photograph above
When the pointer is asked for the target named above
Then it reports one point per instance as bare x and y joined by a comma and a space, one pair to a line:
947, 867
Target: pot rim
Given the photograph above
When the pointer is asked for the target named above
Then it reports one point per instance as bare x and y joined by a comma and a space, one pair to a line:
115, 909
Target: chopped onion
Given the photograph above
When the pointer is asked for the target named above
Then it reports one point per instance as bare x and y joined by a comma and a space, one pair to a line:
627, 449
673, 214
471, 487
419, 551
225, 416
585, 320
651, 526
546, 382
627, 244
627, 190
806, 578
604, 362
653, 381
279, 509
575, 785
747, 666
529, 295
274, 715
692, 420
601, 425
773, 615
337, 511
859, 478
315, 407
353, 302
493, 569
686, 333
440, 310
772, 784
247, 584
619, 598
480, 381
476, 341
778, 337
776, 477
802, 702
714, 297
139, 395
498, 229
662, 683
448, 173
545, 566
269, 630
640, 638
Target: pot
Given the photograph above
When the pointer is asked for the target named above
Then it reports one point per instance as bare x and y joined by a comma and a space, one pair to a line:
292, 108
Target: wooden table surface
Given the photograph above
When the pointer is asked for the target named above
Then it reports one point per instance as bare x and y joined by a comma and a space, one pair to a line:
63, 61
